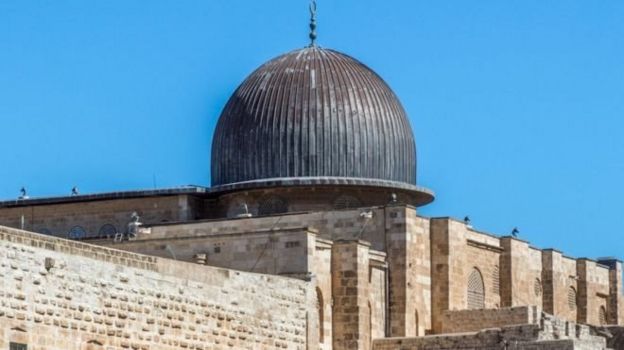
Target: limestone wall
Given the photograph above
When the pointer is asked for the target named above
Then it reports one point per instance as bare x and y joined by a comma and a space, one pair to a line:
521, 273
59, 219
333, 225
408, 248
277, 252
474, 320
560, 284
593, 292
457, 251
539, 331
63, 295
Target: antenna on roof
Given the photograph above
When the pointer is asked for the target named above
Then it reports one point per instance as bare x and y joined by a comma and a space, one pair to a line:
313, 23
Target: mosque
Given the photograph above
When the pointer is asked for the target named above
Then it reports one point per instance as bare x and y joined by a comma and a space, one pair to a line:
308, 238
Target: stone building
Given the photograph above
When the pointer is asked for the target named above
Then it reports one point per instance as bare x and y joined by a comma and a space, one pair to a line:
308, 238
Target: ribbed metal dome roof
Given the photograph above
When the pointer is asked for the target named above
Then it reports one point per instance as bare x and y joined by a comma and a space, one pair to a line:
313, 114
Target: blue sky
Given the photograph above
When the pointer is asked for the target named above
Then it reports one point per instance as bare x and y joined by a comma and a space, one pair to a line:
517, 106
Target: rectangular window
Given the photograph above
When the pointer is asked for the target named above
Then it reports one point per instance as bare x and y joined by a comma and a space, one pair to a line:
292, 244
17, 346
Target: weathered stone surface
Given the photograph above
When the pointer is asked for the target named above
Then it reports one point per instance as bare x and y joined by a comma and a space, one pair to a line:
95, 295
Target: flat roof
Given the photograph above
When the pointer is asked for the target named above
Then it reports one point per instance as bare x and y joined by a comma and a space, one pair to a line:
157, 192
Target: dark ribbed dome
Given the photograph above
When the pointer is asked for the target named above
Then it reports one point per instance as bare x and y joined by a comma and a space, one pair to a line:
313, 114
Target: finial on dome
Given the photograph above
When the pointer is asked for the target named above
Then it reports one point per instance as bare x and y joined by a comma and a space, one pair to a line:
313, 23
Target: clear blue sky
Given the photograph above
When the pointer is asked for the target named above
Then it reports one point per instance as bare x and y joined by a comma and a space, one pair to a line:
517, 106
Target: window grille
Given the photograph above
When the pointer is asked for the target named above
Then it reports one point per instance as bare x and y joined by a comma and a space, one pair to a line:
272, 205
347, 202
572, 298
77, 232
602, 316
17, 346
496, 280
107, 230
537, 287
476, 292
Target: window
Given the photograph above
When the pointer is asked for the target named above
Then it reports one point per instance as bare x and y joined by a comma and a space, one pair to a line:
272, 205
107, 230
346, 202
476, 292
537, 287
572, 298
321, 314
77, 232
602, 316
416, 324
496, 280
292, 244
17, 346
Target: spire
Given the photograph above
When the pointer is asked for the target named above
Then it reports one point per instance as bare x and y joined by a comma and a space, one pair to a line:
313, 23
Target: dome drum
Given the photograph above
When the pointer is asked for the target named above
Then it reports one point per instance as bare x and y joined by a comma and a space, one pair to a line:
282, 199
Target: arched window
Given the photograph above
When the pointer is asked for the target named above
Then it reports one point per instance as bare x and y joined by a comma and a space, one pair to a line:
572, 298
107, 230
476, 292
77, 232
537, 287
346, 201
602, 316
272, 205
496, 280
321, 314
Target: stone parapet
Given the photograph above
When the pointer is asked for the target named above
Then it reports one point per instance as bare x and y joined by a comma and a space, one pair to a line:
474, 320
545, 333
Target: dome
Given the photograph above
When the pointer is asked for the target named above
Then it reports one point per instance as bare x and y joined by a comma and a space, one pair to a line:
313, 116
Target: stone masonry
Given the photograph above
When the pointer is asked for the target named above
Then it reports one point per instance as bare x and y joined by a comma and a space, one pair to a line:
62, 295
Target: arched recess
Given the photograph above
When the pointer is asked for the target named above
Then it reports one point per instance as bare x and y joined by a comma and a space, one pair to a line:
77, 232
476, 290
320, 306
573, 304
537, 287
602, 316
107, 230
572, 298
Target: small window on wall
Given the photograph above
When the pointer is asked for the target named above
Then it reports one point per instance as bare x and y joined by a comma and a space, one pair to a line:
476, 290
537, 287
272, 205
346, 202
107, 230
17, 346
572, 298
77, 232
602, 316
496, 280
